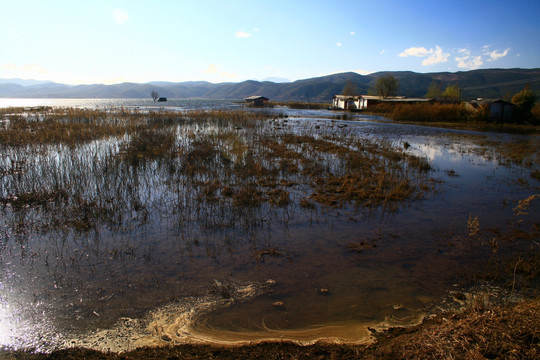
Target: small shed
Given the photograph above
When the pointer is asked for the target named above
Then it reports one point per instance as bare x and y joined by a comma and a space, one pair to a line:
496, 109
257, 100
347, 102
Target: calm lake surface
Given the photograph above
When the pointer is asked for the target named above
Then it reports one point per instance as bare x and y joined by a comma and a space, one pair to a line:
295, 273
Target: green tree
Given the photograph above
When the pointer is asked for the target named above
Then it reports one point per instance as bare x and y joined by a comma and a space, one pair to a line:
524, 102
452, 92
434, 90
349, 89
386, 86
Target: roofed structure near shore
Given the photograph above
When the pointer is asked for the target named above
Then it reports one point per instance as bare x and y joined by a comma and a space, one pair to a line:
257, 100
361, 102
496, 109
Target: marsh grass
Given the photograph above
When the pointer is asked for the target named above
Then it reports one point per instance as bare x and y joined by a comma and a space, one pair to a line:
425, 112
453, 116
213, 174
84, 168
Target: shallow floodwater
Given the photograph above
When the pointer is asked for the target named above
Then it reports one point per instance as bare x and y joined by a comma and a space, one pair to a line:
288, 273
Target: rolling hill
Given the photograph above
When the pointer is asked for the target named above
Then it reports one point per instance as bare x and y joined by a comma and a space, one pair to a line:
495, 83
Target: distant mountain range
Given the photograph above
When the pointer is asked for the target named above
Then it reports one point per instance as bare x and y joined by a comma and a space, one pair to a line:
492, 83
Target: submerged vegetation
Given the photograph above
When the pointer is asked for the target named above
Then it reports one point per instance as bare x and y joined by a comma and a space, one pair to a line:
80, 167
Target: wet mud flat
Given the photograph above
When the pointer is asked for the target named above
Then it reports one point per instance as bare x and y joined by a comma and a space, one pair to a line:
125, 229
495, 332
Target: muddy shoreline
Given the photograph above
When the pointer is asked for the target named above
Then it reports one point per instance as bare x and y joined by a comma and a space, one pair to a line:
510, 331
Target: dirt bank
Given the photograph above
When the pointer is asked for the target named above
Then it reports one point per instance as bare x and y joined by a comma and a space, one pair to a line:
509, 332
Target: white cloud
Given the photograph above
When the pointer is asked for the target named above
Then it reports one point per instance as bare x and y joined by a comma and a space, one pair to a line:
212, 69
228, 76
216, 73
464, 51
416, 51
382, 51
352, 33
464, 55
120, 16
436, 57
468, 62
339, 44
8, 66
26, 71
465, 61
496, 54
242, 34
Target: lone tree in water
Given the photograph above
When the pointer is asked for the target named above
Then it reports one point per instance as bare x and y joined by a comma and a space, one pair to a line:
155, 95
386, 86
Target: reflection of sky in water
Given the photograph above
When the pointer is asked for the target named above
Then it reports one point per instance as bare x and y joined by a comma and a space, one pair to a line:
162, 264
141, 104
7, 326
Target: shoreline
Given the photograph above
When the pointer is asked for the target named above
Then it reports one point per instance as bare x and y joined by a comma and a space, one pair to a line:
509, 331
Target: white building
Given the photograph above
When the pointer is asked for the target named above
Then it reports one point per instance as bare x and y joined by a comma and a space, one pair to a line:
361, 102
349, 102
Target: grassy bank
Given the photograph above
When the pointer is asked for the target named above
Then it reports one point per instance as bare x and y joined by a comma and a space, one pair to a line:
455, 116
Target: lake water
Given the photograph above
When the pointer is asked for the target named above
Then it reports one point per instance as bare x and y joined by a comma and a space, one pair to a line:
293, 273
171, 104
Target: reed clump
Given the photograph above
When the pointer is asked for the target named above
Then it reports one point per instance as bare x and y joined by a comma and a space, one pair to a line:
150, 143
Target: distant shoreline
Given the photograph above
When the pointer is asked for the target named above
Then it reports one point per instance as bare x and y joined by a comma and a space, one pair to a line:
317, 89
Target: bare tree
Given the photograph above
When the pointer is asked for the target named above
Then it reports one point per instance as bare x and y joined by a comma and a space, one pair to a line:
349, 89
155, 95
386, 86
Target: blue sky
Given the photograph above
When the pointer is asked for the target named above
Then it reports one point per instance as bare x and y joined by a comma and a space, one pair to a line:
108, 41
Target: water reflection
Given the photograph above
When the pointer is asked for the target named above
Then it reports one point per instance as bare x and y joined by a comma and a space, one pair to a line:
7, 326
84, 263
140, 104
